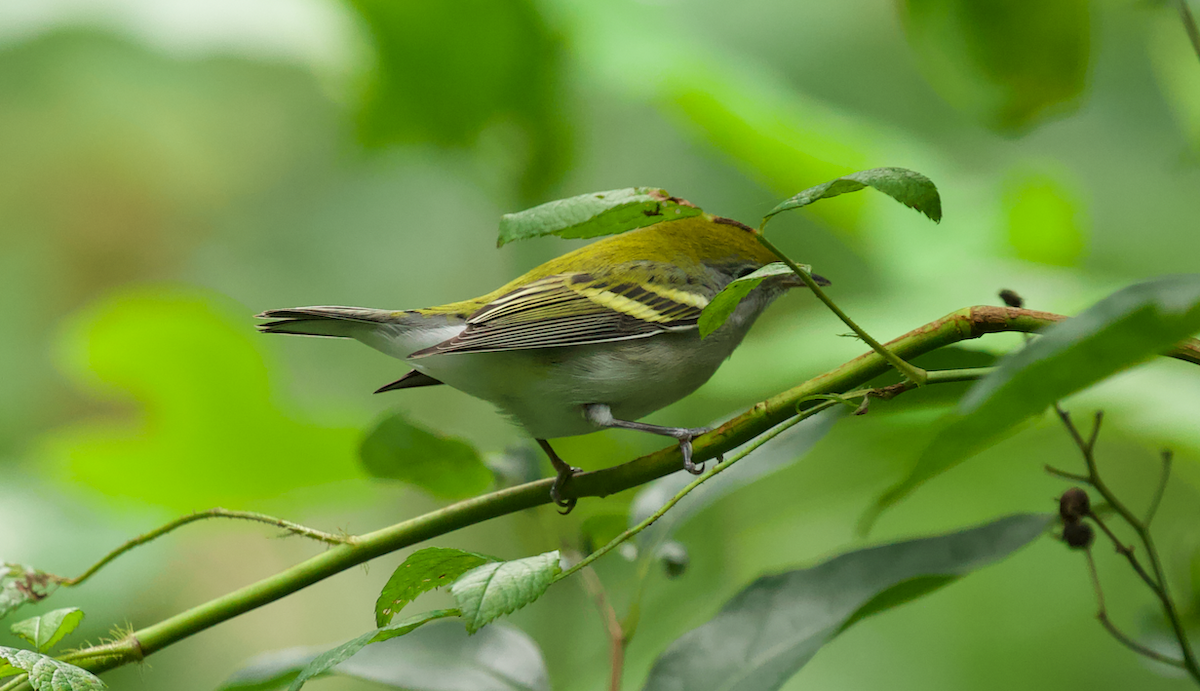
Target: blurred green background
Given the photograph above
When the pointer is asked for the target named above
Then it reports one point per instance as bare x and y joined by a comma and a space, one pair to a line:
170, 169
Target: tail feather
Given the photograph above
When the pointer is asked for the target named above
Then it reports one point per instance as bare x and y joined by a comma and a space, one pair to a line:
337, 322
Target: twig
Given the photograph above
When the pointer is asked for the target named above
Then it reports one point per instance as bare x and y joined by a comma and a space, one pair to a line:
294, 528
616, 634
1102, 615
1161, 488
964, 324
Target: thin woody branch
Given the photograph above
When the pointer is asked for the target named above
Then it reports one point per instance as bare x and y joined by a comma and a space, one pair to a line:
964, 324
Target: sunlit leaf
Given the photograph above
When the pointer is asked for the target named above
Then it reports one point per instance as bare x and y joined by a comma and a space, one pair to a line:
1045, 221
493, 590
423, 570
785, 449
437, 657
451, 73
767, 632
908, 187
22, 585
719, 309
47, 629
595, 214
322, 663
446, 467
1120, 331
46, 673
1008, 64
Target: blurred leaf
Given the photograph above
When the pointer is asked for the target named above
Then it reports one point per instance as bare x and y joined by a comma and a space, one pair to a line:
767, 632
438, 657
447, 72
789, 447
322, 663
423, 570
443, 466
1174, 61
21, 585
1044, 221
50, 628
725, 302
908, 187
46, 673
1007, 63
1120, 331
595, 214
207, 429
600, 529
516, 465
493, 590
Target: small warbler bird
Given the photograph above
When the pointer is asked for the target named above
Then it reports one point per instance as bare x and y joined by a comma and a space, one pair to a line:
592, 340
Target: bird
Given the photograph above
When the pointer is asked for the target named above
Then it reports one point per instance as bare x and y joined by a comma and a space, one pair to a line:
594, 339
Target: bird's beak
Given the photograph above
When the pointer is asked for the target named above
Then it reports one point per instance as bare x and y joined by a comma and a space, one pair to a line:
793, 281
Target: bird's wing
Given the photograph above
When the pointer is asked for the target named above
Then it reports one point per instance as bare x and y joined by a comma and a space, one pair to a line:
574, 309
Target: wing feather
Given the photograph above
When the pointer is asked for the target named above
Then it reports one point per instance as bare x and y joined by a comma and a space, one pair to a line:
574, 309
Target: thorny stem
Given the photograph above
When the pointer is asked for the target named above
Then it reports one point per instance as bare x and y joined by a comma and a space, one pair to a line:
294, 528
1156, 581
963, 324
911, 372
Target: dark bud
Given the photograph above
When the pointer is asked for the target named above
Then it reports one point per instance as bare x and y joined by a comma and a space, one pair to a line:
1078, 535
674, 558
1074, 505
1011, 298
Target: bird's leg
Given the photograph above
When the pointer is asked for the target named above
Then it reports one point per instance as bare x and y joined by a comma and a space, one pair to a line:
601, 415
565, 473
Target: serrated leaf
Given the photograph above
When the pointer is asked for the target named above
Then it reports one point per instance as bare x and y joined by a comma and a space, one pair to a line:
908, 187
790, 446
50, 628
493, 590
322, 663
423, 570
46, 673
1122, 330
596, 214
438, 657
723, 304
445, 467
21, 585
767, 632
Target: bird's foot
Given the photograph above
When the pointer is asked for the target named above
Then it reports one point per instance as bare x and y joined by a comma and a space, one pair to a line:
685, 436
560, 484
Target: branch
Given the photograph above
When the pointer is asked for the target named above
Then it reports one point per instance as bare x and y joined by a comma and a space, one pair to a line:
964, 324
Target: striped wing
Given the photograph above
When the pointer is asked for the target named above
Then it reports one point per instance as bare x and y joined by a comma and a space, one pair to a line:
574, 309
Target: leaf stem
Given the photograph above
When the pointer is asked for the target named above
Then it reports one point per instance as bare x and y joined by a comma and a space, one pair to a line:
294, 528
1102, 615
966, 323
910, 372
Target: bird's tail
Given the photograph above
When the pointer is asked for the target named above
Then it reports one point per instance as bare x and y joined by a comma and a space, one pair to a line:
338, 322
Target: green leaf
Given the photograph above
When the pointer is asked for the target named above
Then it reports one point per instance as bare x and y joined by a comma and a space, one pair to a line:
767, 632
443, 466
469, 73
21, 585
50, 628
322, 663
785, 449
424, 570
908, 187
596, 214
1007, 64
493, 590
46, 673
723, 304
438, 657
1120, 331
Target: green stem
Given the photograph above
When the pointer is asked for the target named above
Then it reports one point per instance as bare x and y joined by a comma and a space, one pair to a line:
967, 323
910, 372
294, 528
705, 477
